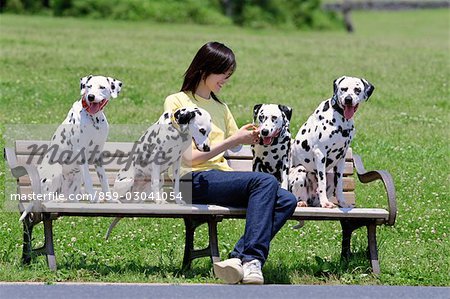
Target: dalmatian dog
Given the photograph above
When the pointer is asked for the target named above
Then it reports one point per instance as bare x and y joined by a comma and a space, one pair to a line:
319, 149
78, 142
159, 148
271, 153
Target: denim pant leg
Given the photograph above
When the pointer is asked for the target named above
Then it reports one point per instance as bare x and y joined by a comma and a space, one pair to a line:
258, 192
284, 208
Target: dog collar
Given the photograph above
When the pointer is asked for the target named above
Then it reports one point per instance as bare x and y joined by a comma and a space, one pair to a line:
174, 121
336, 106
87, 107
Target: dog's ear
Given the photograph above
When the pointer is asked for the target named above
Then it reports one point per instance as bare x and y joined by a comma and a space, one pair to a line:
83, 82
286, 110
196, 110
256, 110
368, 88
183, 116
116, 86
336, 83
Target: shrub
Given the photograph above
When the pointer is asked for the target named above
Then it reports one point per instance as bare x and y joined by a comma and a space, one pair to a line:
300, 14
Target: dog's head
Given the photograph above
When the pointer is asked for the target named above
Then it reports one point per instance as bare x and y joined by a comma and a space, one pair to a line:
272, 120
199, 123
97, 90
349, 92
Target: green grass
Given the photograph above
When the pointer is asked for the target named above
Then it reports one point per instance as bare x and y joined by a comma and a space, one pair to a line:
403, 128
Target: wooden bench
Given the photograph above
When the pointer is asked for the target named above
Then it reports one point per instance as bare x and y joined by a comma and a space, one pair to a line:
23, 168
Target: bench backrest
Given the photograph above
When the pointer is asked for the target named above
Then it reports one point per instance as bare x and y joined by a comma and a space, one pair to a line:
118, 152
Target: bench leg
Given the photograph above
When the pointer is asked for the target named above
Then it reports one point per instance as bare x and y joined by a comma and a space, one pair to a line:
48, 245
47, 249
212, 250
347, 229
188, 242
213, 241
373, 248
27, 248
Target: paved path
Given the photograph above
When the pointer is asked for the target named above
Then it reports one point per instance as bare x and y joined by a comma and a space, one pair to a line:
207, 291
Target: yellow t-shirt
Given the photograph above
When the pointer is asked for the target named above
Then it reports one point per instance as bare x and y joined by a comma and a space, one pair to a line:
223, 126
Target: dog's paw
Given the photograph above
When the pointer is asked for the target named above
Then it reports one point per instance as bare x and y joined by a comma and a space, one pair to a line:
301, 204
180, 202
327, 204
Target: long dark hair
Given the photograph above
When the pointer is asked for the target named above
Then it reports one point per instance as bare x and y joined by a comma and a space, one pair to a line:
212, 58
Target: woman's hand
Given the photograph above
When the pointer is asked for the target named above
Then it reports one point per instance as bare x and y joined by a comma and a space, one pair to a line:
248, 134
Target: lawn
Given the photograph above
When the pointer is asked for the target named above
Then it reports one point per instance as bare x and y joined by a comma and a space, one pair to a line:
403, 128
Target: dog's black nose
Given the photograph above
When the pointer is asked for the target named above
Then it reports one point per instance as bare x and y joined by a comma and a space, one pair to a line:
91, 97
264, 132
348, 100
206, 148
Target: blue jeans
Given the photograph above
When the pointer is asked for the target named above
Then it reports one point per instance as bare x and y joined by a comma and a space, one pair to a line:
268, 206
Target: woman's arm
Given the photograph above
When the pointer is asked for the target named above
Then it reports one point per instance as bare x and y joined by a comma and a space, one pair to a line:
248, 134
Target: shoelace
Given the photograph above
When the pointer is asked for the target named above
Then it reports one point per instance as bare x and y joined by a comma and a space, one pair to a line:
253, 267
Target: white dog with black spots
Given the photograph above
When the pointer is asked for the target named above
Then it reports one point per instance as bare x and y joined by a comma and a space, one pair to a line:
78, 142
271, 153
160, 147
319, 149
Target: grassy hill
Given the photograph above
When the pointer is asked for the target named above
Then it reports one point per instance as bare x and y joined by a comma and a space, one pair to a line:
403, 128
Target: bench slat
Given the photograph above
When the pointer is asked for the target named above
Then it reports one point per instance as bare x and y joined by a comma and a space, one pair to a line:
111, 164
350, 197
180, 210
246, 153
116, 163
348, 182
24, 147
246, 165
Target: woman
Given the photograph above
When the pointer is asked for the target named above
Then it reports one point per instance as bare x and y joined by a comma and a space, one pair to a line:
214, 182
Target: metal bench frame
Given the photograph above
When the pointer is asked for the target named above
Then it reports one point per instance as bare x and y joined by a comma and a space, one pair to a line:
196, 215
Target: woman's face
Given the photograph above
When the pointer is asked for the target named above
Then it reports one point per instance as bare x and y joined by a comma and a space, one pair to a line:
215, 82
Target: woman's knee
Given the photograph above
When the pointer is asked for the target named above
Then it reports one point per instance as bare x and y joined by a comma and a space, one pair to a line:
265, 179
287, 199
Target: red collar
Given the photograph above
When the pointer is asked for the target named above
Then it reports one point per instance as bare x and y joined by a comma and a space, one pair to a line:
87, 107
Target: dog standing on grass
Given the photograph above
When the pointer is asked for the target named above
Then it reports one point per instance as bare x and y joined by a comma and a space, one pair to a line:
78, 142
319, 149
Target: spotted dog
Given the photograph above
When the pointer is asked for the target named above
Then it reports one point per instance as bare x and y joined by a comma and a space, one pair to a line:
159, 148
79, 141
319, 149
271, 153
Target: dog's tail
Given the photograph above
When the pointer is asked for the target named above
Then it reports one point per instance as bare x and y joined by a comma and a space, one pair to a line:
299, 225
111, 226
27, 210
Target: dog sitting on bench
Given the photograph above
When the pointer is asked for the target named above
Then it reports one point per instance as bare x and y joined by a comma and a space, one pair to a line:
319, 149
271, 153
159, 148
65, 167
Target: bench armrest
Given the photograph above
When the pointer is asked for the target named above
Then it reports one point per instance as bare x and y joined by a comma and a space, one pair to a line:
18, 170
369, 176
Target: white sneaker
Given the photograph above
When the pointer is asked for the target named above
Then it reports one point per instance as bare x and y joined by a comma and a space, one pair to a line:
253, 273
229, 270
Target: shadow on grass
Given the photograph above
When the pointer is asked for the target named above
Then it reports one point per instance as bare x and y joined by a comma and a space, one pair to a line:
169, 269
134, 268
321, 269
